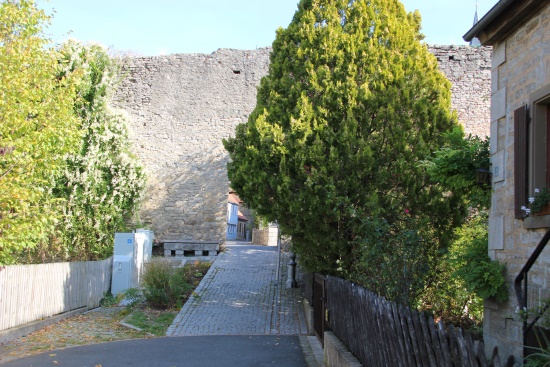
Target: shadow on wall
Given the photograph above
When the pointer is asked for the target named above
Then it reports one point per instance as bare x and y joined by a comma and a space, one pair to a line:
186, 199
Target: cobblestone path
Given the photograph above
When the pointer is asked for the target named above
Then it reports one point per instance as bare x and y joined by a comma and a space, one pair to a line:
241, 295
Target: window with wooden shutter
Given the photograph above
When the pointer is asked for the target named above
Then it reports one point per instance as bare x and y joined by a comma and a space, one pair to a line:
521, 120
532, 150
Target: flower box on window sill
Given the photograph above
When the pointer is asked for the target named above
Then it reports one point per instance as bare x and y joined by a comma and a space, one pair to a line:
544, 211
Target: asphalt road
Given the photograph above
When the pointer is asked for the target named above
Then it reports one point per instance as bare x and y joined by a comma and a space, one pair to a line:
187, 351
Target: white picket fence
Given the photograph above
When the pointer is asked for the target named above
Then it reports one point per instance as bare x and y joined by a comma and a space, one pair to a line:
34, 292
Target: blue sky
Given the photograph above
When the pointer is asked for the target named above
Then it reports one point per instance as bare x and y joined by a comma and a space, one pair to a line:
145, 27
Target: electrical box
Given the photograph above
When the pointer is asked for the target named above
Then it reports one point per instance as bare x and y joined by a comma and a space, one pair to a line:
123, 262
143, 253
121, 274
131, 252
148, 245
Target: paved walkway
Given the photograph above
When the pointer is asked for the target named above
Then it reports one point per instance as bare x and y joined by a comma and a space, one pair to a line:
242, 315
241, 295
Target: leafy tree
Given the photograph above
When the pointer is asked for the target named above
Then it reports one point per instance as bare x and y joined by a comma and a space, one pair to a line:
103, 181
67, 178
465, 275
352, 102
448, 296
454, 167
37, 129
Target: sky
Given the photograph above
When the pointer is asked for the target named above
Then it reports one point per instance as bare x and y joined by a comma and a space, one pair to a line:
148, 28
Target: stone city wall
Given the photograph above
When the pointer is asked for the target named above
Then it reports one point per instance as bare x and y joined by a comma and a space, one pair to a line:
469, 70
182, 106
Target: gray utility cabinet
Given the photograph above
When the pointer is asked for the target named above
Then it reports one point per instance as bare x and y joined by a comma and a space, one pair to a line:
131, 252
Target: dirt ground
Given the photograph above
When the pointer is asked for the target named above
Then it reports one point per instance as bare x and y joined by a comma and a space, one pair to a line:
95, 326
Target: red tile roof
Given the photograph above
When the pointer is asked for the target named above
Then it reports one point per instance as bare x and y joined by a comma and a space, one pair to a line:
242, 217
234, 198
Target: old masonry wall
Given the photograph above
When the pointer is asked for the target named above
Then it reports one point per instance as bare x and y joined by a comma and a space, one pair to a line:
181, 107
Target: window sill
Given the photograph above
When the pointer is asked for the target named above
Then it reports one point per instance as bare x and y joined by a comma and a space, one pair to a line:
537, 221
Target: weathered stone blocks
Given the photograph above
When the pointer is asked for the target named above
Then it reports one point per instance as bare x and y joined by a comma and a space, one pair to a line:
469, 71
519, 67
181, 107
336, 353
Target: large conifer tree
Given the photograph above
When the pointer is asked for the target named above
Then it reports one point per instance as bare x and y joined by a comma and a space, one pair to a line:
352, 101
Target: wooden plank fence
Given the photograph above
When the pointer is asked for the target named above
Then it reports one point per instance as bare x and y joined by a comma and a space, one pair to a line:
381, 333
33, 292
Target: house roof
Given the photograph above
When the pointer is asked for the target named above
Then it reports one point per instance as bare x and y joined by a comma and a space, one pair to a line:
503, 19
234, 198
242, 217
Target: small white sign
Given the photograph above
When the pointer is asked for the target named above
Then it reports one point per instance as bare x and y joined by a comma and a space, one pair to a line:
497, 166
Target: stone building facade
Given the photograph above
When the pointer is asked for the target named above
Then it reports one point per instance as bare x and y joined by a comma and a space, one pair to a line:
519, 32
182, 106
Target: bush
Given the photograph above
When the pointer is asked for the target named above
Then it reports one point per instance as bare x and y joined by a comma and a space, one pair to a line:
109, 300
539, 356
134, 297
465, 275
164, 285
481, 275
448, 296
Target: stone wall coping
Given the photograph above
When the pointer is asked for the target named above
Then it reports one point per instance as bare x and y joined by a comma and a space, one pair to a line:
191, 241
336, 353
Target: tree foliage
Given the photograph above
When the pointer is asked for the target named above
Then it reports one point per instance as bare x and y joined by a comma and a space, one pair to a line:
454, 167
67, 178
37, 129
103, 182
447, 295
351, 104
465, 275
481, 275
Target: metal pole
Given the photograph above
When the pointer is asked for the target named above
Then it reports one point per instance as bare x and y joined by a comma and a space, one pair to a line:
291, 281
278, 252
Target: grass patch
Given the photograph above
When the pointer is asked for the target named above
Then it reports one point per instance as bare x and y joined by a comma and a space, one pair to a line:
175, 286
152, 321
